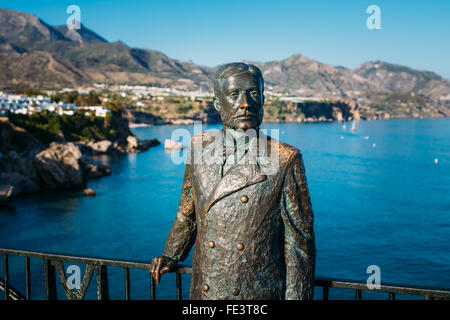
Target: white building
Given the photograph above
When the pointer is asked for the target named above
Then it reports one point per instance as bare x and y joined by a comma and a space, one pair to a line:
21, 104
100, 111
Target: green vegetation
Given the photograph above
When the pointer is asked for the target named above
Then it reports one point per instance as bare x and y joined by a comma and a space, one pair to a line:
398, 103
178, 107
91, 99
48, 127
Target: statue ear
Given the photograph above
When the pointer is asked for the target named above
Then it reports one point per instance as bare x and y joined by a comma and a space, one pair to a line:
217, 104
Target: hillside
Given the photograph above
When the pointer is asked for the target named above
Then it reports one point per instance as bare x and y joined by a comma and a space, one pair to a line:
33, 53
45, 52
402, 79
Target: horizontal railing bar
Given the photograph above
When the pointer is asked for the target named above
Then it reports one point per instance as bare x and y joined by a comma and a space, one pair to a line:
387, 287
319, 281
135, 264
79, 259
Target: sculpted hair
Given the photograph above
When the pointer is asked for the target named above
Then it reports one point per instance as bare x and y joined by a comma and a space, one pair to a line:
232, 69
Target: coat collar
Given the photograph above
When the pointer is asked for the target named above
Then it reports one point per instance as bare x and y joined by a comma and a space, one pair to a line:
247, 172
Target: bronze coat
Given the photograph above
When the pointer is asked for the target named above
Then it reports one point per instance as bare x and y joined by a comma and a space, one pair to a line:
273, 229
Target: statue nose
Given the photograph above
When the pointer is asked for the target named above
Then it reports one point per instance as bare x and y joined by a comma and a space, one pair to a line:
244, 104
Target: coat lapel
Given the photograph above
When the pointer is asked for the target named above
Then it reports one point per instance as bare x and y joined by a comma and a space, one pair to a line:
246, 173
209, 167
209, 171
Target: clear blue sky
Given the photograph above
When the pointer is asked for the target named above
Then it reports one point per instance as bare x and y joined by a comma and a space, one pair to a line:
413, 33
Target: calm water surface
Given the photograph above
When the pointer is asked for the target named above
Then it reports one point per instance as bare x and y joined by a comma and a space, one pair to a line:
378, 196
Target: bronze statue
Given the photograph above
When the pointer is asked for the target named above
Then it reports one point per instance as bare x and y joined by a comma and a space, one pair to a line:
249, 216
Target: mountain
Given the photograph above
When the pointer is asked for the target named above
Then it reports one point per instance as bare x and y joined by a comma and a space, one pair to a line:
299, 75
38, 69
33, 53
399, 79
24, 30
82, 35
116, 62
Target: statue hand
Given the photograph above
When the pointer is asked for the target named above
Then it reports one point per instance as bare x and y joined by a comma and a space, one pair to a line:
161, 265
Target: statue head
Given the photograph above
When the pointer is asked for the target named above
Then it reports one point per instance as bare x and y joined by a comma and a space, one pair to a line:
239, 95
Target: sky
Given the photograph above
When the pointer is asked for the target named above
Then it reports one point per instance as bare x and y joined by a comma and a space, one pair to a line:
413, 33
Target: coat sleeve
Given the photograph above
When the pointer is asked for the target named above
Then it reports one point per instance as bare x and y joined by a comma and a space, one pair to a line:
299, 242
182, 234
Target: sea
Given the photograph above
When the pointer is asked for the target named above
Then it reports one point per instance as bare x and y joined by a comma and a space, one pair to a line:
380, 192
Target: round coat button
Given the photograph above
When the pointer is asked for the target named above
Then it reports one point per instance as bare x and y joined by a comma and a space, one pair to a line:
235, 292
244, 199
211, 244
240, 246
205, 287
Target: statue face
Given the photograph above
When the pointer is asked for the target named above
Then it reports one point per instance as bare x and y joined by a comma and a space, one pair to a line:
240, 102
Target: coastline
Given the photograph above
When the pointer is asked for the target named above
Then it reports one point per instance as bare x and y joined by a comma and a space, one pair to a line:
29, 165
191, 121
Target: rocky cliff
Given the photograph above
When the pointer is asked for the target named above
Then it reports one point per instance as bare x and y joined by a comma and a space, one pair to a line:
28, 166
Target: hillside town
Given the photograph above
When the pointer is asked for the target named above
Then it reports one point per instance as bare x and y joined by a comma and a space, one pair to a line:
22, 104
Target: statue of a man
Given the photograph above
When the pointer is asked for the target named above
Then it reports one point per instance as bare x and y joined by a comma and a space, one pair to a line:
244, 203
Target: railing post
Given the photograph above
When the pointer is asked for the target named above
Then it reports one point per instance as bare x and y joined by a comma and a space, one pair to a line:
127, 283
326, 290
50, 280
102, 283
152, 288
27, 279
179, 295
358, 294
6, 275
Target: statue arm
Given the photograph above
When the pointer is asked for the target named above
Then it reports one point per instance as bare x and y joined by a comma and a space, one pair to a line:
182, 234
299, 242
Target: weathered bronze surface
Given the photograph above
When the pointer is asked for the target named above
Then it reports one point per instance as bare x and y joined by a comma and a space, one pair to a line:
260, 220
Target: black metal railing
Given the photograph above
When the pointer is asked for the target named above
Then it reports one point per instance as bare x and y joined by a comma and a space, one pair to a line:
53, 266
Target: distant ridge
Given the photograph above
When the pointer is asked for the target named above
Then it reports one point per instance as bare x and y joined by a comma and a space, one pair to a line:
36, 54
82, 35
398, 78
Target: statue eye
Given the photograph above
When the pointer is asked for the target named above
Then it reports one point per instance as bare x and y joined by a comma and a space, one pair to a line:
255, 93
234, 94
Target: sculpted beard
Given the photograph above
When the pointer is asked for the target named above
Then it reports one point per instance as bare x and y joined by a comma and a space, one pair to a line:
236, 122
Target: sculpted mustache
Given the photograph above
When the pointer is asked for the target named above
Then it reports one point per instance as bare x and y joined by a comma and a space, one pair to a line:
249, 114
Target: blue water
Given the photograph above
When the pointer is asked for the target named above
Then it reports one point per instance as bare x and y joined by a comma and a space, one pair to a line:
378, 196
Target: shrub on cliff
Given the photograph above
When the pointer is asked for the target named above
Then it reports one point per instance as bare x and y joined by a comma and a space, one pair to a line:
48, 127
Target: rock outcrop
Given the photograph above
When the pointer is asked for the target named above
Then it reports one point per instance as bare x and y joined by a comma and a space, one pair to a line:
93, 168
134, 144
89, 192
59, 167
172, 145
15, 138
100, 147
332, 110
27, 166
17, 170
6, 193
131, 144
